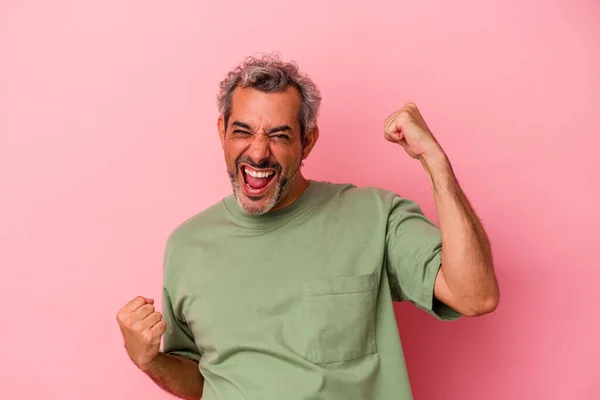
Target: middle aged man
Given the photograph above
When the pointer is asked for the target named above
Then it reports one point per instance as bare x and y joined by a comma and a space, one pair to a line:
284, 289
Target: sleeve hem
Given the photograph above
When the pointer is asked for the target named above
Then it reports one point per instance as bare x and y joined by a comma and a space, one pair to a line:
189, 355
433, 306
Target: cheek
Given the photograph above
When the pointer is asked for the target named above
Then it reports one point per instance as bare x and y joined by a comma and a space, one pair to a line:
232, 151
288, 158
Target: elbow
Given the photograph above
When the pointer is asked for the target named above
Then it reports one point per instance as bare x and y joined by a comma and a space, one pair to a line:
487, 301
483, 306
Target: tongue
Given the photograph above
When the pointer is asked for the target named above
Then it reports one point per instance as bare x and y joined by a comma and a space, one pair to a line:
257, 183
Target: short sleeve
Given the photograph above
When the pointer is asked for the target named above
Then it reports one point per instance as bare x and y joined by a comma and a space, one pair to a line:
413, 258
178, 338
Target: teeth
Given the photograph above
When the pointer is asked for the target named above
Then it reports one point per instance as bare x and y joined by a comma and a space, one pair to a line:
257, 174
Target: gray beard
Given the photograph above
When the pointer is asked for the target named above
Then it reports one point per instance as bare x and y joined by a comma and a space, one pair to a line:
281, 191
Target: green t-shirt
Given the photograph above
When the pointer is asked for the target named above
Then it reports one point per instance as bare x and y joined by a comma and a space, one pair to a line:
297, 303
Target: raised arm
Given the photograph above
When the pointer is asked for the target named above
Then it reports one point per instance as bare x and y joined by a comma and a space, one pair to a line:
466, 280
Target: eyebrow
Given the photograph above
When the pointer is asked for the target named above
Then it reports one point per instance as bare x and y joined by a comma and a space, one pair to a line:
241, 125
280, 128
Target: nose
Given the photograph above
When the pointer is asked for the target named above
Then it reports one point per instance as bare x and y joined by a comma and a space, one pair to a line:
259, 149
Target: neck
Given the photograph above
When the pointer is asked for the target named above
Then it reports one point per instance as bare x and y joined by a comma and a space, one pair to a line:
300, 184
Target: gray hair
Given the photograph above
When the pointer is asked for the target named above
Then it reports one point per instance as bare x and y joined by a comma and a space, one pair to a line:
269, 74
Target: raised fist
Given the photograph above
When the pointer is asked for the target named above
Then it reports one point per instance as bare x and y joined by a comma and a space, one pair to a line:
142, 328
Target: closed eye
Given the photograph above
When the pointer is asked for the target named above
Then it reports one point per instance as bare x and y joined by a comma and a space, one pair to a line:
281, 137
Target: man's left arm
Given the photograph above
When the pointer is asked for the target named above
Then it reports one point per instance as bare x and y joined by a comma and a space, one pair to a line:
466, 280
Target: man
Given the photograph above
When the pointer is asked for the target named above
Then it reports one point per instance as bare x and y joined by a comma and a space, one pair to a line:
284, 289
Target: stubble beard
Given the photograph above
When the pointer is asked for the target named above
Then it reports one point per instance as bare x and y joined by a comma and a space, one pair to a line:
283, 188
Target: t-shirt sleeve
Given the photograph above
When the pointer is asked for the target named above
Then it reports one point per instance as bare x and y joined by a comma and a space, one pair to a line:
178, 338
413, 258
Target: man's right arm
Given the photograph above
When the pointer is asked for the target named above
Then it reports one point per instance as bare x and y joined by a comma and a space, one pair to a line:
177, 375
142, 328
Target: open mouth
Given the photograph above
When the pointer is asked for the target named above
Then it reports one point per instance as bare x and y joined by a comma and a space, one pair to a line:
257, 181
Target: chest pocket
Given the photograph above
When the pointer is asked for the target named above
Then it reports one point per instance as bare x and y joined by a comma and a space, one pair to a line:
340, 316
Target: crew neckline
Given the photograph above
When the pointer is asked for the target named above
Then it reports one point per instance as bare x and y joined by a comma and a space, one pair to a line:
300, 205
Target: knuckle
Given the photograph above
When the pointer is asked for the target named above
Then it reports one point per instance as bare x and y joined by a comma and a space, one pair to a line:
138, 330
130, 320
147, 337
136, 300
123, 323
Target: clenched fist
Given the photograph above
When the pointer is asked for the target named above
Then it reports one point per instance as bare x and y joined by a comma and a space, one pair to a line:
142, 328
408, 128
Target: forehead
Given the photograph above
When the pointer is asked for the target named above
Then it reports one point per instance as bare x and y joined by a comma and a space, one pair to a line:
260, 108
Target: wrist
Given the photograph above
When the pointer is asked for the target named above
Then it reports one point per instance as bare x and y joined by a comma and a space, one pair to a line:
435, 159
148, 366
439, 170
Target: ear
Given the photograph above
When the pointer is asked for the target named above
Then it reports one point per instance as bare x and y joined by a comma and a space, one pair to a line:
309, 141
221, 129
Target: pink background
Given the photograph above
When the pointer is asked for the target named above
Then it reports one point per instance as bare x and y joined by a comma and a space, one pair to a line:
108, 140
